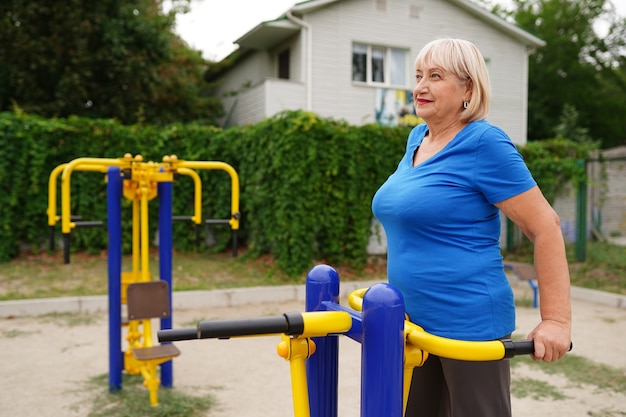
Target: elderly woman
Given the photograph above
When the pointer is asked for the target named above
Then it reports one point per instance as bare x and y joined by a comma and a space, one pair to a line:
440, 211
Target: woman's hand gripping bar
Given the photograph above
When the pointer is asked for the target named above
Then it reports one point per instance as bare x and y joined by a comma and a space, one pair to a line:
452, 348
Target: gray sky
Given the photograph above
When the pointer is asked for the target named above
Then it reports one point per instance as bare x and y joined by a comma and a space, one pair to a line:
213, 25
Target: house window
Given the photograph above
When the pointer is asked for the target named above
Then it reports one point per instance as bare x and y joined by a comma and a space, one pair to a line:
397, 64
359, 63
379, 65
283, 64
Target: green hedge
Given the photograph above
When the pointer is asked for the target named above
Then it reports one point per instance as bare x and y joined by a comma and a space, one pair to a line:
306, 182
555, 163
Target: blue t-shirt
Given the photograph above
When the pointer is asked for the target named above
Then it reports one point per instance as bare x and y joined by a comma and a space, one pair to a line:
443, 232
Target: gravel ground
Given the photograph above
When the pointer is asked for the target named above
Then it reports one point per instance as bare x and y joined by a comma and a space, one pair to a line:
46, 361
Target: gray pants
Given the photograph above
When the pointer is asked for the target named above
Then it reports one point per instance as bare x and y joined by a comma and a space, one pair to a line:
451, 388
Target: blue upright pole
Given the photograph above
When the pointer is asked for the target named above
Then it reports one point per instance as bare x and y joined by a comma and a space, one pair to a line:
114, 224
165, 264
382, 352
322, 285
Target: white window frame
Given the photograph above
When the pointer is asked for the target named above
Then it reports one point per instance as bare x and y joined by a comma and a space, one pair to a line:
389, 52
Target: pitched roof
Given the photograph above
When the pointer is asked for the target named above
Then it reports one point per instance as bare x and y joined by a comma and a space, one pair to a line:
269, 33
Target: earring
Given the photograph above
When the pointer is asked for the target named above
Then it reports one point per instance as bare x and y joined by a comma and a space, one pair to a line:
465, 104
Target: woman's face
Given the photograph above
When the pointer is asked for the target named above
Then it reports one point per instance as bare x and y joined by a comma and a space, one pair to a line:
438, 94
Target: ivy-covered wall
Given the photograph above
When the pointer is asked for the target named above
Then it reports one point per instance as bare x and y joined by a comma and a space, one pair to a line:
306, 182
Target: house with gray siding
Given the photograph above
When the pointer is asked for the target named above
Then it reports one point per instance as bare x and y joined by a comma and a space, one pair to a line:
353, 60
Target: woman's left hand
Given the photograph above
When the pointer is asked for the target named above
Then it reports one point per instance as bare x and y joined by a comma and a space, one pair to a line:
552, 340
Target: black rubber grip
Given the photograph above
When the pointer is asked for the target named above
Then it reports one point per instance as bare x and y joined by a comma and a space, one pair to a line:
521, 347
518, 347
89, 223
224, 329
174, 335
295, 323
291, 324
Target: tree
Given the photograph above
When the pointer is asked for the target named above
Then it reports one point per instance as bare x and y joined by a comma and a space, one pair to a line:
576, 68
569, 127
102, 59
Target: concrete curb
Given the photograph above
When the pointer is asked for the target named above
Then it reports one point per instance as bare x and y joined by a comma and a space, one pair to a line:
233, 297
599, 297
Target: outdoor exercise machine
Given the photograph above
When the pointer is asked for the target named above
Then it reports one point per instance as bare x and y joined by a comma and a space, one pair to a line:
176, 169
391, 346
74, 221
145, 299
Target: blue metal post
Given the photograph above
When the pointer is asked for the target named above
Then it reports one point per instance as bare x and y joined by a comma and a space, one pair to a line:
165, 264
322, 285
382, 352
114, 224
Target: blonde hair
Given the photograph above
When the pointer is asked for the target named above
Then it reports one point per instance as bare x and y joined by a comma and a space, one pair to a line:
462, 58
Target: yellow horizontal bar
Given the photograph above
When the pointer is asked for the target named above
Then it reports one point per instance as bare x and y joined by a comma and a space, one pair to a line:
441, 346
321, 323
454, 349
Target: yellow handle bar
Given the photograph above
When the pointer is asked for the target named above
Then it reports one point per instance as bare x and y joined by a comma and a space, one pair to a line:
450, 348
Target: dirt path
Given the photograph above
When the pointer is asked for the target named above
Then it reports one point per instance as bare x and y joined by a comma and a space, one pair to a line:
45, 362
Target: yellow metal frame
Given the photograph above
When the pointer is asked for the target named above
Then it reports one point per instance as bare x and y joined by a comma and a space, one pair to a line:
419, 343
140, 189
197, 194
176, 164
148, 172
297, 349
79, 164
53, 218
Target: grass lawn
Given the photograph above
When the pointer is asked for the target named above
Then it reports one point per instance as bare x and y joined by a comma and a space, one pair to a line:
45, 275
